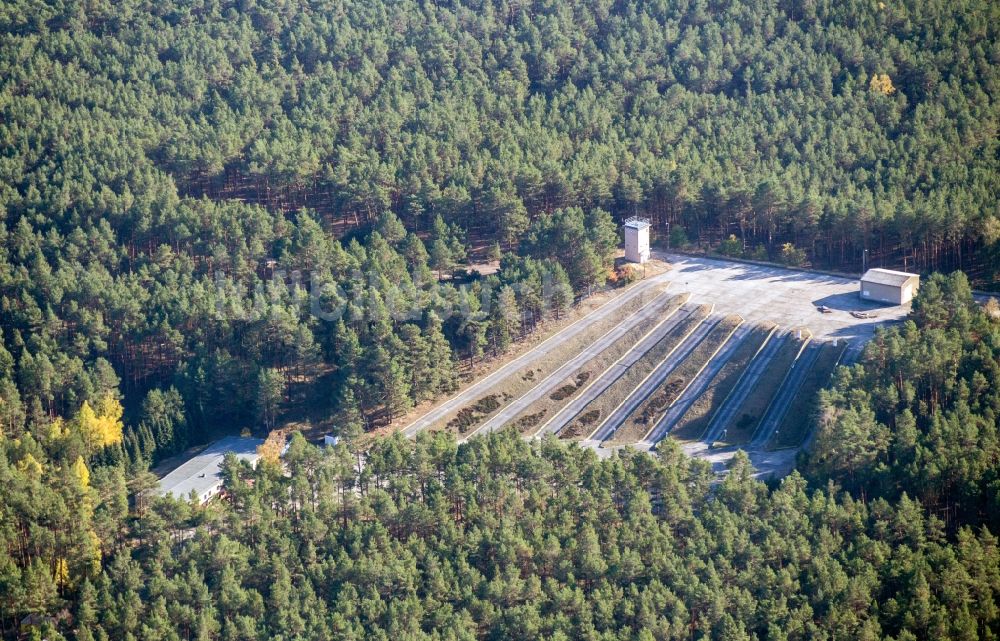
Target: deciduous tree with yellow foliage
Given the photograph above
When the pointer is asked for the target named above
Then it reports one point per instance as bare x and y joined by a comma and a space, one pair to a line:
882, 83
100, 426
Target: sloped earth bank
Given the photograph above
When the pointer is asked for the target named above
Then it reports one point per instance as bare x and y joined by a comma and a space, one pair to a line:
645, 416
696, 420
548, 405
466, 419
615, 394
798, 419
748, 417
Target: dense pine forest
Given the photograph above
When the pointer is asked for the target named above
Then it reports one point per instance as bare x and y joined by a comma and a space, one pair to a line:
225, 216
837, 126
194, 194
889, 534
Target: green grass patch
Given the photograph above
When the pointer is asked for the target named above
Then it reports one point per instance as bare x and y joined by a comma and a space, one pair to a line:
746, 420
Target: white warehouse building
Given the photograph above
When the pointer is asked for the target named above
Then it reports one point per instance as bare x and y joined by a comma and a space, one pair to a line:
202, 473
636, 240
889, 286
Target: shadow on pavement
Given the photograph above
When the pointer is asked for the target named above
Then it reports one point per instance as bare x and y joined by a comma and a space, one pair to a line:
850, 302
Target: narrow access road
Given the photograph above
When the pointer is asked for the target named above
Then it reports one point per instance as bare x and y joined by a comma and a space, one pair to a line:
607, 429
744, 386
610, 375
783, 399
483, 385
546, 385
683, 403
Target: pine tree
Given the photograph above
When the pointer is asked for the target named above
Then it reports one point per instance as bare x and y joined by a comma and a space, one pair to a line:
348, 418
390, 227
389, 382
561, 297
505, 318
270, 391
439, 353
441, 259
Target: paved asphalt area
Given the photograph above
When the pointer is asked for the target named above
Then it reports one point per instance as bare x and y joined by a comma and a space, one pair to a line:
783, 399
783, 296
683, 402
610, 375
549, 383
659, 374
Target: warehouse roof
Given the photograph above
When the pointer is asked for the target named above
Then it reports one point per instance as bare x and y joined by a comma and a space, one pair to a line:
887, 277
203, 471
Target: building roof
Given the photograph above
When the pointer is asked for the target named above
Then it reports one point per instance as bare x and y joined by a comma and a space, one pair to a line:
203, 471
887, 277
636, 223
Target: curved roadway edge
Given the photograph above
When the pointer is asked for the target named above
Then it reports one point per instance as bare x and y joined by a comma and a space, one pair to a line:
744, 386
653, 380
483, 385
547, 384
783, 399
600, 383
697, 385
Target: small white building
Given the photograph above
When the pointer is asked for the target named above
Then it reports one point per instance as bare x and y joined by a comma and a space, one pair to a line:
889, 286
636, 240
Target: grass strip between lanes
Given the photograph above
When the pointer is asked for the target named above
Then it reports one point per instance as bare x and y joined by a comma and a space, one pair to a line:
467, 419
644, 418
745, 422
799, 417
597, 410
534, 417
696, 420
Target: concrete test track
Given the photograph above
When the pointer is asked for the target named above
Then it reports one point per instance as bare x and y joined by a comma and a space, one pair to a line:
783, 399
607, 429
482, 387
546, 385
609, 376
695, 389
725, 414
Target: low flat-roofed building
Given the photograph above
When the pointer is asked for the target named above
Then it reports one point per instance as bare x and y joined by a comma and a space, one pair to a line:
889, 286
203, 471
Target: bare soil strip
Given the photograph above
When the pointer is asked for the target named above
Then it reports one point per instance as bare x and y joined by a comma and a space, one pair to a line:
645, 417
466, 419
531, 419
798, 419
593, 414
750, 413
695, 422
